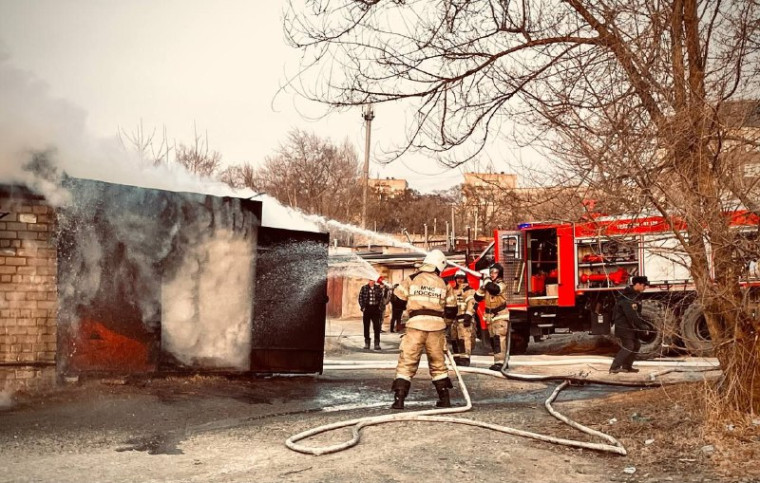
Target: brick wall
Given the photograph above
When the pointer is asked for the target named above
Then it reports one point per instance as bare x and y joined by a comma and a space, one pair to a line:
27, 292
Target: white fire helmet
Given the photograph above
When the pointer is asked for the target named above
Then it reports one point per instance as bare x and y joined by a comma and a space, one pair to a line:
460, 274
437, 259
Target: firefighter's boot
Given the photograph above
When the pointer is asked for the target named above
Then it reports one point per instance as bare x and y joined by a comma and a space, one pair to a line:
442, 386
401, 389
496, 344
366, 344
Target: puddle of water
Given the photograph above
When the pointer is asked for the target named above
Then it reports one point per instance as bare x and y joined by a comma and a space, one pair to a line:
573, 393
154, 444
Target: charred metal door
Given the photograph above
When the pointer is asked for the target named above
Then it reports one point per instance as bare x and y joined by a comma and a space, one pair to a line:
105, 322
289, 307
117, 246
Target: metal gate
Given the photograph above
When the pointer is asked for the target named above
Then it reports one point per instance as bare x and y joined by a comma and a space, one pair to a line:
290, 302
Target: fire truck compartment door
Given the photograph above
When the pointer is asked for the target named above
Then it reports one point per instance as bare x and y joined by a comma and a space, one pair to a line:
566, 266
290, 302
510, 252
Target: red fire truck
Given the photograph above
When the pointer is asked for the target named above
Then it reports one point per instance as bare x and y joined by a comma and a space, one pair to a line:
567, 275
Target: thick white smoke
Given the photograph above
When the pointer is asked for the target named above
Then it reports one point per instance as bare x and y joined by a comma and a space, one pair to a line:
32, 121
206, 316
207, 306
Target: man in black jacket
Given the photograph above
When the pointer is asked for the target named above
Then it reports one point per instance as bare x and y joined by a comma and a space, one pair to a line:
626, 316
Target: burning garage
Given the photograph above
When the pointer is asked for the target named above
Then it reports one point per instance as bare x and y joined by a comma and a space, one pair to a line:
126, 280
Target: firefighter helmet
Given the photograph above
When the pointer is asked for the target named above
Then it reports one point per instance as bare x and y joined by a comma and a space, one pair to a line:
436, 259
460, 274
498, 268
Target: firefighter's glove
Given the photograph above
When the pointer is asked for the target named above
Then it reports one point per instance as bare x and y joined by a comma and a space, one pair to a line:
467, 320
492, 288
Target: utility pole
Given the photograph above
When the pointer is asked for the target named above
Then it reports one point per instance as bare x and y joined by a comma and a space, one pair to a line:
453, 236
368, 114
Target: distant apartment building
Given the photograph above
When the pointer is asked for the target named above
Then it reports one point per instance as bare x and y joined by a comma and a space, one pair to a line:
485, 196
488, 181
389, 187
743, 119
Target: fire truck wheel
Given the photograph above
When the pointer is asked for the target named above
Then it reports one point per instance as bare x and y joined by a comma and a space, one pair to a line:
694, 333
661, 322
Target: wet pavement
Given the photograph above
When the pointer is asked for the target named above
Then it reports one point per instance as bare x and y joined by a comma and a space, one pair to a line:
231, 428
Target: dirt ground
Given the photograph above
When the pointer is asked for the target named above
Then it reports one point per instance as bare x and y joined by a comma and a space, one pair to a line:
219, 429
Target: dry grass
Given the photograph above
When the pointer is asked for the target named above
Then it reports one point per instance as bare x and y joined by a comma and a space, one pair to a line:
686, 432
735, 435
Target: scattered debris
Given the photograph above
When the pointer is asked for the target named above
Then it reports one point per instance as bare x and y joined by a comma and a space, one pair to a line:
612, 421
639, 418
629, 470
648, 442
708, 449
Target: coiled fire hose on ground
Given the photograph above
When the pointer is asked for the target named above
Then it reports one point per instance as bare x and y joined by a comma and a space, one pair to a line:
437, 415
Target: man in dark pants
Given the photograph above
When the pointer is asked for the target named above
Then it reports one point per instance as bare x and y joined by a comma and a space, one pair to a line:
370, 302
397, 311
626, 315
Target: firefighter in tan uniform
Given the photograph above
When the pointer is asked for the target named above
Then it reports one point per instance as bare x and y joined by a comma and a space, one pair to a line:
430, 301
494, 292
462, 331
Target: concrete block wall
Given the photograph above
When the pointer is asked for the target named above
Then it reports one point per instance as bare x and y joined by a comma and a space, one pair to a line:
28, 292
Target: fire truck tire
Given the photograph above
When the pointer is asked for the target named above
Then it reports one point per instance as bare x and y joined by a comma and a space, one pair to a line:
662, 321
694, 333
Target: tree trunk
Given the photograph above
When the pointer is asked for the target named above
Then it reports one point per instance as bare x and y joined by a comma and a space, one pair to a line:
739, 388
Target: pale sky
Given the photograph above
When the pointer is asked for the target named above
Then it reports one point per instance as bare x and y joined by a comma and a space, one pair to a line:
174, 63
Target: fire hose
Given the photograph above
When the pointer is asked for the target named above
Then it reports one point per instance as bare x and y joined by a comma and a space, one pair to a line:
436, 415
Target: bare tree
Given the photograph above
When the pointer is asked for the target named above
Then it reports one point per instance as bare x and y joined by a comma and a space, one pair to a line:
627, 96
239, 176
145, 144
308, 173
197, 157
410, 210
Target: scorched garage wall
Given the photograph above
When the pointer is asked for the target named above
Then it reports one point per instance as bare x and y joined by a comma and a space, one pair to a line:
149, 281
